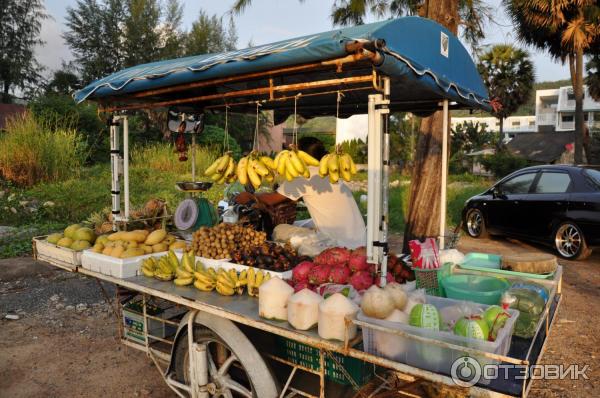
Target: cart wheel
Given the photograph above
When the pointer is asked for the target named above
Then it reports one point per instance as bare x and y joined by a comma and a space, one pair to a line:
231, 374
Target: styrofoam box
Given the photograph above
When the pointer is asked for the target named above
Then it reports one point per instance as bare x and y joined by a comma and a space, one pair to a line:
227, 265
117, 267
428, 356
53, 252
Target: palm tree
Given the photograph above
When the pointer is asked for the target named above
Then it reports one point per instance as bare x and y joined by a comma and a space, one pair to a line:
593, 76
567, 29
509, 75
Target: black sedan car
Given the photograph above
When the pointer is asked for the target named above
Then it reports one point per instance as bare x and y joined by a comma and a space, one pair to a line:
557, 205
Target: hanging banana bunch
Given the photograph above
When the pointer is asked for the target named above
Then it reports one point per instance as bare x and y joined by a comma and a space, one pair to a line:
222, 170
337, 164
254, 169
293, 163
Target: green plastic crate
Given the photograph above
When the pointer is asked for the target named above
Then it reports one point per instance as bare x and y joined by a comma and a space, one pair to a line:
307, 356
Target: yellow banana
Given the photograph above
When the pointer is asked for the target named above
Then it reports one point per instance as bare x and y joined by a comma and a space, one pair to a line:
163, 277
223, 163
205, 287
204, 278
306, 173
260, 276
308, 159
181, 273
224, 280
334, 177
281, 166
183, 281
242, 174
266, 278
147, 272
230, 167
289, 166
199, 266
254, 178
323, 170
333, 163
345, 174
298, 165
216, 176
211, 271
276, 161
212, 168
345, 162
352, 166
222, 179
163, 266
259, 167
270, 177
268, 162
225, 290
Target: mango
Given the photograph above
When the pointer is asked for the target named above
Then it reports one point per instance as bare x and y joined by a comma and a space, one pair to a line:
80, 245
116, 236
98, 248
177, 245
169, 239
71, 229
54, 238
131, 244
137, 236
160, 247
156, 237
107, 251
117, 251
132, 252
85, 233
65, 242
103, 239
147, 249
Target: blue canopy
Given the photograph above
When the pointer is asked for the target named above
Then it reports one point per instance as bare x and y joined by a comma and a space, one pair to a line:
423, 60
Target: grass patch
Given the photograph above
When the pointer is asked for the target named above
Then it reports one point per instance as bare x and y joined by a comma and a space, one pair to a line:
161, 157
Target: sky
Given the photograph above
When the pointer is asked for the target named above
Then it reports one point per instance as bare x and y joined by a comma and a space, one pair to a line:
266, 21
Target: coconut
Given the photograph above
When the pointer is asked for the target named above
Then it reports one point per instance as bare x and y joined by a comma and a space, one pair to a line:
303, 309
398, 294
273, 296
398, 317
377, 303
333, 312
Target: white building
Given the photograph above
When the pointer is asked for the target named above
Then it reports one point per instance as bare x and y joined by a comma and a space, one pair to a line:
555, 109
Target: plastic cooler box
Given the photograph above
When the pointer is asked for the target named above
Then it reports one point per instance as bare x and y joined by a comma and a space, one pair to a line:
113, 266
429, 356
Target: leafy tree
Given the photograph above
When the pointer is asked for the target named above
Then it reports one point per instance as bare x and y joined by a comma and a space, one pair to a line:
593, 76
567, 30
468, 137
171, 34
20, 25
141, 37
208, 35
63, 81
502, 163
94, 35
509, 75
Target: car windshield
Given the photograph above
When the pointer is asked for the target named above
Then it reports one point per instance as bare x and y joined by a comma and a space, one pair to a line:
594, 175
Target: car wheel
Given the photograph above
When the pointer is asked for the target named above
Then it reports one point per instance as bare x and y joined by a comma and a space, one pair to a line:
570, 243
475, 224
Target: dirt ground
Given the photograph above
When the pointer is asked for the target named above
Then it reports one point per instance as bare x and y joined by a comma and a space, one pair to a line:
65, 344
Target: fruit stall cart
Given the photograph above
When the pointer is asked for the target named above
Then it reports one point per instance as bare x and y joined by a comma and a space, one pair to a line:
219, 345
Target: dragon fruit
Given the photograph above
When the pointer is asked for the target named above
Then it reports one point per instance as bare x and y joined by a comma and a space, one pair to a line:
335, 255
302, 285
301, 271
339, 275
389, 277
361, 280
358, 263
319, 274
359, 251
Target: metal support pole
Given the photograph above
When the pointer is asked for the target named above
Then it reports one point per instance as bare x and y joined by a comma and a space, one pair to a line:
384, 113
373, 180
126, 165
193, 156
445, 133
114, 166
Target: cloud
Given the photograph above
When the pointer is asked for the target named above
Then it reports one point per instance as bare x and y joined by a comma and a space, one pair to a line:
55, 50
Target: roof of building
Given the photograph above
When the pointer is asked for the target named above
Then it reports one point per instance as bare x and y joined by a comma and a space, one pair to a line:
541, 147
9, 110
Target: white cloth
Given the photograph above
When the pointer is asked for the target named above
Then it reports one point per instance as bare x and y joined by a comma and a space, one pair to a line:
331, 206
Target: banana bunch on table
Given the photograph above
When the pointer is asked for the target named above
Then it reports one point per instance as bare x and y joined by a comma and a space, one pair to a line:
222, 170
255, 168
167, 268
293, 163
336, 165
228, 283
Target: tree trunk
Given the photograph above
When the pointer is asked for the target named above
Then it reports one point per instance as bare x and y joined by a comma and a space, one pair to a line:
424, 200
6, 99
579, 120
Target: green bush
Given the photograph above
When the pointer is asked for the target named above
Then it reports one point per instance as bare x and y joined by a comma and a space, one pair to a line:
212, 136
503, 163
36, 150
64, 113
357, 149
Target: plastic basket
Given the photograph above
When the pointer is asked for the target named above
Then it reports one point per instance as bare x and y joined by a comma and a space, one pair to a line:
307, 356
430, 279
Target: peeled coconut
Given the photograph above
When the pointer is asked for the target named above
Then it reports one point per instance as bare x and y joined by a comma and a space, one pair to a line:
273, 296
303, 309
398, 317
377, 303
332, 314
399, 296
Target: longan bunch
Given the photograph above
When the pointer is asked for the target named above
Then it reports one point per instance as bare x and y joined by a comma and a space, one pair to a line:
220, 241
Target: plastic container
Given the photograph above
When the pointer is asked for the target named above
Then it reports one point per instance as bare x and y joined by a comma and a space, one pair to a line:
307, 356
480, 289
133, 324
428, 356
50, 252
491, 263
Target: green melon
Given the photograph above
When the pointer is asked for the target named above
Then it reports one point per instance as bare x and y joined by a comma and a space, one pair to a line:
65, 242
54, 238
71, 229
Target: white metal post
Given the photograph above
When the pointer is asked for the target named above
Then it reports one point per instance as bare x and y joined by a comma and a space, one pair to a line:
384, 115
114, 165
126, 165
444, 175
374, 180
